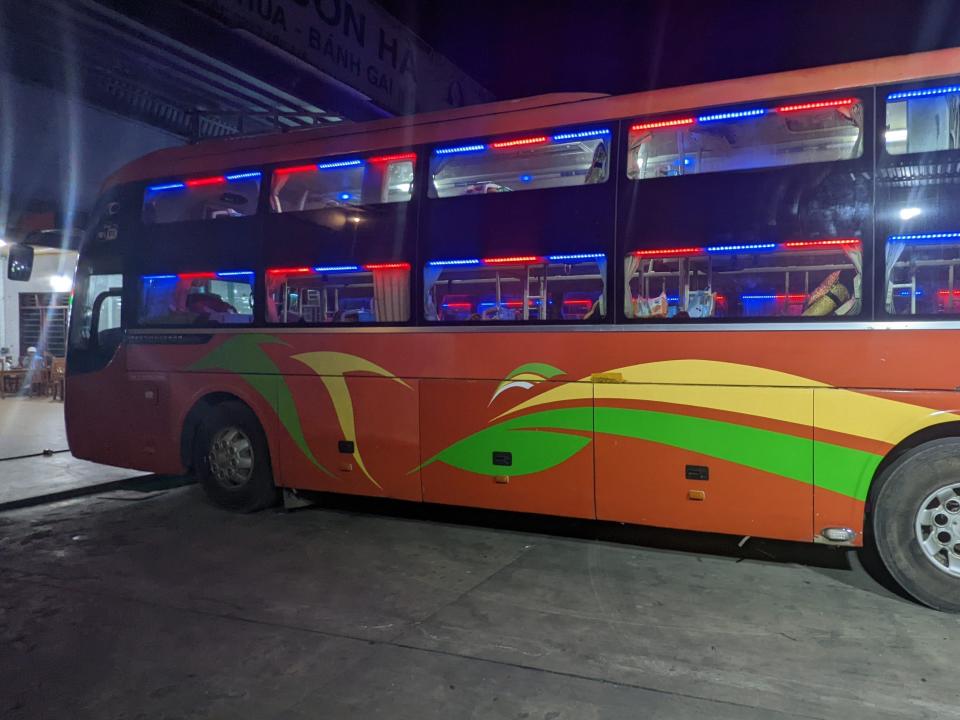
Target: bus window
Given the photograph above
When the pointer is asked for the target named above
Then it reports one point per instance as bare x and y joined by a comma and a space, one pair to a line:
553, 288
209, 198
923, 120
204, 298
343, 183
743, 139
533, 162
808, 278
921, 274
377, 292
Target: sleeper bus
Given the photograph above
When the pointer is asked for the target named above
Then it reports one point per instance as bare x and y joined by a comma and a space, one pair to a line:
731, 307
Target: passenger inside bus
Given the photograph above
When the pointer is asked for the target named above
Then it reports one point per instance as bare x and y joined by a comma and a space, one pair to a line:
191, 300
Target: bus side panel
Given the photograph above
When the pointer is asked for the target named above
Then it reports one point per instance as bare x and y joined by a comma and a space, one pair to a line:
357, 435
854, 431
710, 458
538, 462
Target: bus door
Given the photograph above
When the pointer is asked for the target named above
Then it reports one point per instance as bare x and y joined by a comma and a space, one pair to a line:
96, 383
716, 458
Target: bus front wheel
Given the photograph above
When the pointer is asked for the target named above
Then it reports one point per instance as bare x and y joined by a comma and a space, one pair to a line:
232, 461
915, 522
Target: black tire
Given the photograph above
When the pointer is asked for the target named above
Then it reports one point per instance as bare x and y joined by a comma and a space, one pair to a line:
896, 500
252, 493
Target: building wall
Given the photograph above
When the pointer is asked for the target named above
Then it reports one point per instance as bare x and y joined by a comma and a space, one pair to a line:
45, 266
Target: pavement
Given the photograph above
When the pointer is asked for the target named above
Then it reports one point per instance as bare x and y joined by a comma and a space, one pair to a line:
30, 425
35, 465
159, 605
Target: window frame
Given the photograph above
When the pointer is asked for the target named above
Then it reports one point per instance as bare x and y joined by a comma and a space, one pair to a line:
606, 319
144, 187
882, 92
861, 95
612, 126
271, 170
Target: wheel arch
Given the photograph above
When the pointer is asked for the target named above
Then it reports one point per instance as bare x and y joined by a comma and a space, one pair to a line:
190, 427
920, 437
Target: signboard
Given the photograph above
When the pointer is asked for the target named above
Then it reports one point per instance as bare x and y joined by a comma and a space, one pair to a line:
358, 43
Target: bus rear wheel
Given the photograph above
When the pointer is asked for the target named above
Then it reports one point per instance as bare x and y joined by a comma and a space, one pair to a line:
232, 461
915, 523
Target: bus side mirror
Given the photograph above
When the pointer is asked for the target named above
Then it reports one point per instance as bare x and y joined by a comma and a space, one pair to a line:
20, 262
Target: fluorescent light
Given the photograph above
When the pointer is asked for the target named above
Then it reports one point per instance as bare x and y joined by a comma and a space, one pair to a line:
909, 212
892, 136
61, 283
3, 242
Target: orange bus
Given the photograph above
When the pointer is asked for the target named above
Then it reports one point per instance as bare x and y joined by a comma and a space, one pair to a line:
729, 307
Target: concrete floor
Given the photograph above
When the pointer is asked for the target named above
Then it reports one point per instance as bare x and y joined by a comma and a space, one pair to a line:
30, 425
167, 607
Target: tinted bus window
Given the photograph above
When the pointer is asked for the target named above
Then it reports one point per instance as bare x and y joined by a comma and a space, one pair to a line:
923, 120
743, 139
197, 299
378, 292
921, 274
814, 278
531, 162
339, 183
554, 288
209, 198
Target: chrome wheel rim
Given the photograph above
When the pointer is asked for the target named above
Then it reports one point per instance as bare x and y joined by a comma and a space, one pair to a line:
938, 529
231, 457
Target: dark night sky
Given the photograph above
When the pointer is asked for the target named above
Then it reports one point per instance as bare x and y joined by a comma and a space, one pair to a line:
528, 47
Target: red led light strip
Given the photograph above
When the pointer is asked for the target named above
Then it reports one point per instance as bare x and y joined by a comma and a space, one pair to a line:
393, 158
387, 266
295, 169
816, 105
821, 243
539, 139
669, 251
662, 124
289, 271
198, 275
199, 182
512, 259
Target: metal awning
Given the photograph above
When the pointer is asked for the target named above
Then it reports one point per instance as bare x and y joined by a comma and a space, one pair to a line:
172, 67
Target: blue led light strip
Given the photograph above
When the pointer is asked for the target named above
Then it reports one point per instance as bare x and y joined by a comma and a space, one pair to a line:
235, 273
459, 149
924, 92
243, 176
576, 256
441, 263
737, 248
925, 237
159, 277
336, 268
731, 115
339, 164
580, 134
168, 186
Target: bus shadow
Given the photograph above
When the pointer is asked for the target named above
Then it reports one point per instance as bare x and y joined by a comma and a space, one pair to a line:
858, 568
